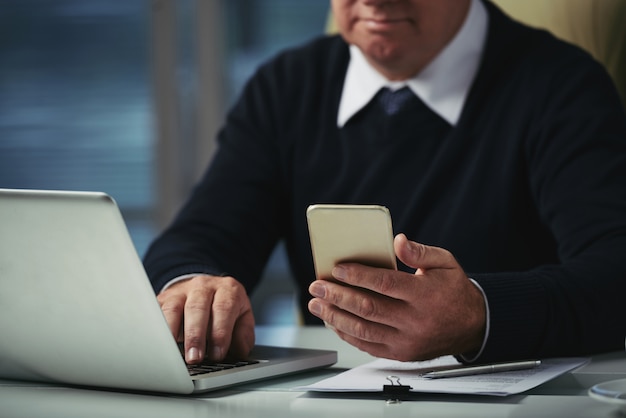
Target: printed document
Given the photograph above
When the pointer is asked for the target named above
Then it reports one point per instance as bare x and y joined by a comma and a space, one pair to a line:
372, 376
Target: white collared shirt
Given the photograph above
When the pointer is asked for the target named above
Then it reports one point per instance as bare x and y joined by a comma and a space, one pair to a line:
443, 84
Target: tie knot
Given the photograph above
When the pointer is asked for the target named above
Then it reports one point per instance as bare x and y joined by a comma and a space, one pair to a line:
392, 101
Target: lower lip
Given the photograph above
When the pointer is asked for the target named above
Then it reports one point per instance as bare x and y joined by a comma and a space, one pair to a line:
383, 25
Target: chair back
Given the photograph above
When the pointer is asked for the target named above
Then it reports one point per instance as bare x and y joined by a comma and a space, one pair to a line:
598, 26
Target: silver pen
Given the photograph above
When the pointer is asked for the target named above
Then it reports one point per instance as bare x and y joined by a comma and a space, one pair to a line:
483, 369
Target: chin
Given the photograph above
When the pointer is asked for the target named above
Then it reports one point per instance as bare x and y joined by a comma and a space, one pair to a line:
384, 53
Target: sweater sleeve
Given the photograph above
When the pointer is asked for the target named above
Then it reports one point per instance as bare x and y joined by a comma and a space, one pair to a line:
232, 220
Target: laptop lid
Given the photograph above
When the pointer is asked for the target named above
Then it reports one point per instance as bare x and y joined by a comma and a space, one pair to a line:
78, 308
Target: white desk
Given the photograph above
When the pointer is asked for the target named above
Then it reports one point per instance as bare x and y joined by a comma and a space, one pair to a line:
565, 396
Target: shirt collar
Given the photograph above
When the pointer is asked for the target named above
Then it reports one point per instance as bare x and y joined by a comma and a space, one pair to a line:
443, 84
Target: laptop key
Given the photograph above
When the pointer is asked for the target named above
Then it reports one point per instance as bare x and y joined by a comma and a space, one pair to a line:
208, 367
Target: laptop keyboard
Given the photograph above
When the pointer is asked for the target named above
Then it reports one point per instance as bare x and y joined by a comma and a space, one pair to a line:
210, 367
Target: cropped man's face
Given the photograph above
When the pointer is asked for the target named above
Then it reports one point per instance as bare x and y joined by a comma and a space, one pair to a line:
399, 36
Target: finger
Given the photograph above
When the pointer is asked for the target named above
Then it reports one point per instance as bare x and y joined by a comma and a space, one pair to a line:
197, 312
243, 337
222, 326
420, 256
229, 304
358, 302
172, 308
347, 323
374, 338
391, 283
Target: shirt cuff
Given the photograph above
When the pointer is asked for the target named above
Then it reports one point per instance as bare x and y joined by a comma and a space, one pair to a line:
179, 279
471, 357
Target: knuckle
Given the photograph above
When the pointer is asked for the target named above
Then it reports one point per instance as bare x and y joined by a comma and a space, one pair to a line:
329, 315
197, 302
220, 336
366, 308
172, 307
361, 331
193, 337
224, 305
230, 283
167, 297
195, 330
418, 249
386, 282
334, 297
421, 249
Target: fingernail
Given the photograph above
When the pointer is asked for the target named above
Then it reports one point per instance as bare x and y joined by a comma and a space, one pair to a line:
317, 289
315, 307
193, 354
339, 272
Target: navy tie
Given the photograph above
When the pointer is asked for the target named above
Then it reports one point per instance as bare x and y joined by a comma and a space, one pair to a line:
392, 101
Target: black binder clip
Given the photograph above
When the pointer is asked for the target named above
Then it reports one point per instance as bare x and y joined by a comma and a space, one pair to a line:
395, 389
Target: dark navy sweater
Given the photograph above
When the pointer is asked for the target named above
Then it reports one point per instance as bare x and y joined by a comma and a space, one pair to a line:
528, 190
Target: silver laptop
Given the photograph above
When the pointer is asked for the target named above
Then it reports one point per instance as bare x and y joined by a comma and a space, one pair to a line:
76, 306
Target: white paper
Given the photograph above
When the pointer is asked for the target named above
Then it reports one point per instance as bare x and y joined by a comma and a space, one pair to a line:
372, 376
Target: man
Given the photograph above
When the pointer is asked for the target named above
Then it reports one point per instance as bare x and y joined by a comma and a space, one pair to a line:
505, 174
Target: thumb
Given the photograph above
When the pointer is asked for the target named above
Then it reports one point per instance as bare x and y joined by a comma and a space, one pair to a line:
420, 256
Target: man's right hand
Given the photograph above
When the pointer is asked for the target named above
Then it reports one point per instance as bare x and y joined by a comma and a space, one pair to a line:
210, 315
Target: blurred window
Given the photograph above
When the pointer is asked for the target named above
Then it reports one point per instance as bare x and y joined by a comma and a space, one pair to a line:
75, 101
77, 104
258, 29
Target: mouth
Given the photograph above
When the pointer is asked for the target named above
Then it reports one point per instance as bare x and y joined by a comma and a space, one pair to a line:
384, 24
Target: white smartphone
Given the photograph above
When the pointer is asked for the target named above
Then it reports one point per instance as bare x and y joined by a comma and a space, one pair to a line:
350, 233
